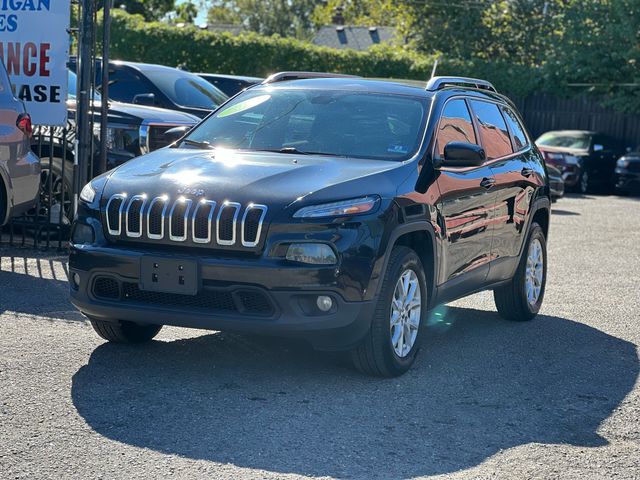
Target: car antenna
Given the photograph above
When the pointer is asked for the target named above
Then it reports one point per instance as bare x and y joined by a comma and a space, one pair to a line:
435, 66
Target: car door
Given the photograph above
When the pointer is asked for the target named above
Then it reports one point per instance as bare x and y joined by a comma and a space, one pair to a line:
508, 154
466, 201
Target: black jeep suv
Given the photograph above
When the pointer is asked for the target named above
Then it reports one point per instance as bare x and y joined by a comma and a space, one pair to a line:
336, 210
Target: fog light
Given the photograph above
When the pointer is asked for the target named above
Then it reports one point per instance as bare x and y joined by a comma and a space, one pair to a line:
82, 234
75, 279
314, 253
324, 303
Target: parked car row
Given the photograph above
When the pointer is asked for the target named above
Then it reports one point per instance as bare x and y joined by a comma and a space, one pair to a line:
589, 160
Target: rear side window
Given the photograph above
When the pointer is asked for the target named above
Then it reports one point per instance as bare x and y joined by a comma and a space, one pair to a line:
517, 132
492, 129
455, 125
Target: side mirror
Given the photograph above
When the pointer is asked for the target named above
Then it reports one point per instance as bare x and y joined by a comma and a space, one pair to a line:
176, 133
598, 148
147, 99
461, 154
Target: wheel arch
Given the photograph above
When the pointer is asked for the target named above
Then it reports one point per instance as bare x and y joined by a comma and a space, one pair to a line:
420, 237
541, 214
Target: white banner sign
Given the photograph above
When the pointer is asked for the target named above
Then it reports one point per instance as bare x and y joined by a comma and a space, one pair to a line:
34, 46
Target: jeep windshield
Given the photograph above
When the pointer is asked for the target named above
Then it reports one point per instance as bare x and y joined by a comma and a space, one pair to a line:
337, 123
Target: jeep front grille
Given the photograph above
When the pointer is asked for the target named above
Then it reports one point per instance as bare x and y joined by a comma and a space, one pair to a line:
202, 222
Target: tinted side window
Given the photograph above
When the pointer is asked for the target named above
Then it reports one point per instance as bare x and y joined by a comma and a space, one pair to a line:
455, 125
492, 129
124, 85
518, 136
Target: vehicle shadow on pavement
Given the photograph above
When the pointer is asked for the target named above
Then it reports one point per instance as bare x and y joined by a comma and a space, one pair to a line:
568, 213
45, 282
480, 385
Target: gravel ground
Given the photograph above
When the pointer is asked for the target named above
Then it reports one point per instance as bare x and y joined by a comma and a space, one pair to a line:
558, 397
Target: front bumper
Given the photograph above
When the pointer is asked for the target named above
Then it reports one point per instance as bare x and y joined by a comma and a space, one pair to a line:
290, 291
627, 181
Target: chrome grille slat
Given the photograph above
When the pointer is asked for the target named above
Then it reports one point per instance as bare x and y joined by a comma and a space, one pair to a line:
194, 218
189, 225
185, 229
234, 222
243, 226
123, 198
163, 214
128, 216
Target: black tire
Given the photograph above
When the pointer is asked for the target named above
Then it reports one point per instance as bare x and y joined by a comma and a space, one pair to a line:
59, 183
511, 299
583, 185
124, 332
376, 355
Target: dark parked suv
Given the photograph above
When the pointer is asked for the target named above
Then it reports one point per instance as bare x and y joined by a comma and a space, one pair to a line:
158, 86
334, 210
132, 131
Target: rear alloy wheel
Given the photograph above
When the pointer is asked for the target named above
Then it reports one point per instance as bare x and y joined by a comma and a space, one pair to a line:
392, 343
521, 299
124, 332
583, 184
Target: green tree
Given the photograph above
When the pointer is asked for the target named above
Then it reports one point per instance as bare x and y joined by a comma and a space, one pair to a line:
186, 12
287, 18
149, 9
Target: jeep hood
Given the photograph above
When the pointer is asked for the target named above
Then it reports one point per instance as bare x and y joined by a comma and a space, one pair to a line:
259, 177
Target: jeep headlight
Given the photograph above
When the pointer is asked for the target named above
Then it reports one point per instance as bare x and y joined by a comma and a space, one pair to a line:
313, 253
356, 206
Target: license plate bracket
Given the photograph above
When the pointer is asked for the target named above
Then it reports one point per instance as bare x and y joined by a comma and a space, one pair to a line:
169, 275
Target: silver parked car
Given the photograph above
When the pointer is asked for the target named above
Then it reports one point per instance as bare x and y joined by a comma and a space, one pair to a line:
19, 166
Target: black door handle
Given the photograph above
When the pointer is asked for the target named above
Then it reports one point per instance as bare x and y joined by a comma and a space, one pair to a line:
487, 182
526, 172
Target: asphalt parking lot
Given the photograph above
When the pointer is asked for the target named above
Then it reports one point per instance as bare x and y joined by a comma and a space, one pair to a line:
558, 397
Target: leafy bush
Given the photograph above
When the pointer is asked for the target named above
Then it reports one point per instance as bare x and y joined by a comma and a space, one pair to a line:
198, 50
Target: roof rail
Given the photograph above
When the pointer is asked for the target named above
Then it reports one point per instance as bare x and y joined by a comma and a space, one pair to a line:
284, 76
438, 83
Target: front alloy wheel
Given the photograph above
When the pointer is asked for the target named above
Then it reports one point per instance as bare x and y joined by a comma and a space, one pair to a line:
393, 341
406, 309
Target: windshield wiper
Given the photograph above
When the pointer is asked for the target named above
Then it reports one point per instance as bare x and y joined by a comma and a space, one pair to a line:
292, 150
195, 143
295, 151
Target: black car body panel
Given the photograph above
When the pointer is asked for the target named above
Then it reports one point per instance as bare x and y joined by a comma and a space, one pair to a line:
627, 173
470, 234
556, 182
158, 86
